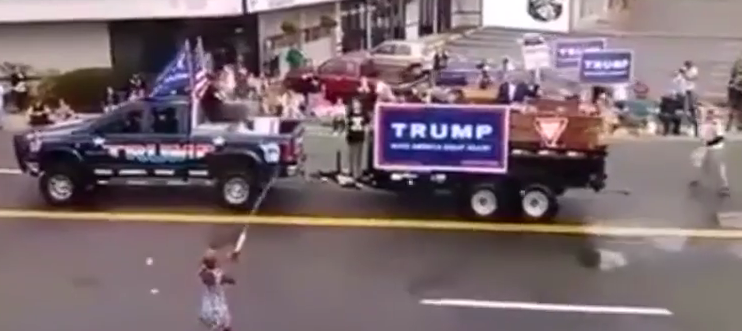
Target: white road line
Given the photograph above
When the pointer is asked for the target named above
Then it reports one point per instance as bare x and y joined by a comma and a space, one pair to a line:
9, 171
548, 307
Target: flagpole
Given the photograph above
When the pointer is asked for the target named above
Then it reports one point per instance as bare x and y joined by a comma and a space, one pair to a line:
191, 80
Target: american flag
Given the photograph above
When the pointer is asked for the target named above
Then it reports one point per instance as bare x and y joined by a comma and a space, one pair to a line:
200, 74
199, 80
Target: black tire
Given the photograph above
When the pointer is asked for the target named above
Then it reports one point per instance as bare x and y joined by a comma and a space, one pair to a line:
415, 71
481, 202
61, 185
235, 189
538, 203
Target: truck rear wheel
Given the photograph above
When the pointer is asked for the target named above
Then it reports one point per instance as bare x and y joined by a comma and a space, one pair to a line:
234, 190
538, 203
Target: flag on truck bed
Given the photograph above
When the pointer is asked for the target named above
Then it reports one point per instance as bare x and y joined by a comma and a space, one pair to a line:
175, 76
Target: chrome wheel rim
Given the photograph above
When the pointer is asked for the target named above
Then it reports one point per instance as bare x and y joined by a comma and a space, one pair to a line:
236, 191
484, 202
60, 187
535, 203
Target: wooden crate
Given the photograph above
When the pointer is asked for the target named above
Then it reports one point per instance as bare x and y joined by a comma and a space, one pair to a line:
475, 95
582, 132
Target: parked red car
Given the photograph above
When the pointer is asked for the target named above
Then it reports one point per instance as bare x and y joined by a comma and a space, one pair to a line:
340, 76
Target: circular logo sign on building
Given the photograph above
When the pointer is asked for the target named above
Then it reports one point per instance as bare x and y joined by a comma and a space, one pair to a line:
545, 10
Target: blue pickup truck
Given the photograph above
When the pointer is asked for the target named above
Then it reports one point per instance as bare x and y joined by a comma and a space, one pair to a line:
154, 141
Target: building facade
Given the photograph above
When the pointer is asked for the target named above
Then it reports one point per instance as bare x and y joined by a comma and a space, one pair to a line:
141, 35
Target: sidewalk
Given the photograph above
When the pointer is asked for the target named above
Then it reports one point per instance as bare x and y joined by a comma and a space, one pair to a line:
14, 122
440, 39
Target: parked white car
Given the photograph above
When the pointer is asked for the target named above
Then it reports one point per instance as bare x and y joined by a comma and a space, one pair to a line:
415, 56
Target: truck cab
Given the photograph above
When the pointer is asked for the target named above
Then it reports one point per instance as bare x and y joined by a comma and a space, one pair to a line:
158, 142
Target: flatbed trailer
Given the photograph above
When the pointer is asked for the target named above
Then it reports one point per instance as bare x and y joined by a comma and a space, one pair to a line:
539, 169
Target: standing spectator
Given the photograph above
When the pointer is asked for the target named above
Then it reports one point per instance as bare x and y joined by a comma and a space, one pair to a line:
228, 80
506, 66
272, 61
384, 92
2, 106
689, 74
356, 124
64, 112
110, 99
295, 58
19, 89
292, 104
440, 62
513, 91
484, 80
688, 110
137, 88
338, 118
39, 114
734, 95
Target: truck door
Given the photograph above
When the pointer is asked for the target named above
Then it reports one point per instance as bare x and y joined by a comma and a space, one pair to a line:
178, 154
118, 143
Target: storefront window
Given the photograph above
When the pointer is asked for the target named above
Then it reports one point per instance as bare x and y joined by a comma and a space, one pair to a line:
444, 15
427, 17
389, 18
353, 24
435, 16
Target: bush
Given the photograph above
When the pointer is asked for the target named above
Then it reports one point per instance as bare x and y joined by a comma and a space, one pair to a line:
83, 89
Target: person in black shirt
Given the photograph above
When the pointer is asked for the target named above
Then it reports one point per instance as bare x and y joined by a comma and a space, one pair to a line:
212, 102
19, 89
356, 123
39, 114
440, 62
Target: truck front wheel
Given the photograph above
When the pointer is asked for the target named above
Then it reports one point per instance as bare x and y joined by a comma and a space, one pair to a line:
539, 203
61, 185
235, 190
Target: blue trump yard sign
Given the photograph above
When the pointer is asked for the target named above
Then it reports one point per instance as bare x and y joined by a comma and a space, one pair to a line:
567, 52
440, 137
607, 67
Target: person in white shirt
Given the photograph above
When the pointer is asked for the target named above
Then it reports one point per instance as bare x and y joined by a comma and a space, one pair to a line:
384, 92
710, 156
679, 89
292, 104
688, 75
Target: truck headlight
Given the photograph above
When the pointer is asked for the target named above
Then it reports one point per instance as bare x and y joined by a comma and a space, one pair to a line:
34, 142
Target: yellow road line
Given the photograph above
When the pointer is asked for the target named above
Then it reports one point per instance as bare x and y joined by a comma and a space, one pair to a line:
440, 225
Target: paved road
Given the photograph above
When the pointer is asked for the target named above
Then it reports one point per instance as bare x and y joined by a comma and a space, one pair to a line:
91, 276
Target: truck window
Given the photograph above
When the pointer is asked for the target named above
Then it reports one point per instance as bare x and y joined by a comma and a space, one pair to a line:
128, 122
165, 121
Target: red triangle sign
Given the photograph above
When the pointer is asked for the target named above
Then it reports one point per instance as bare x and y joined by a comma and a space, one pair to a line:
550, 129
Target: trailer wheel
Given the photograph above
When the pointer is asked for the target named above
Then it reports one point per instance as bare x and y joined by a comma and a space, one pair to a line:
482, 202
538, 203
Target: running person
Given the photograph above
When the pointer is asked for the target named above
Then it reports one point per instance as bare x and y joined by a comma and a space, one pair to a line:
710, 156
214, 308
